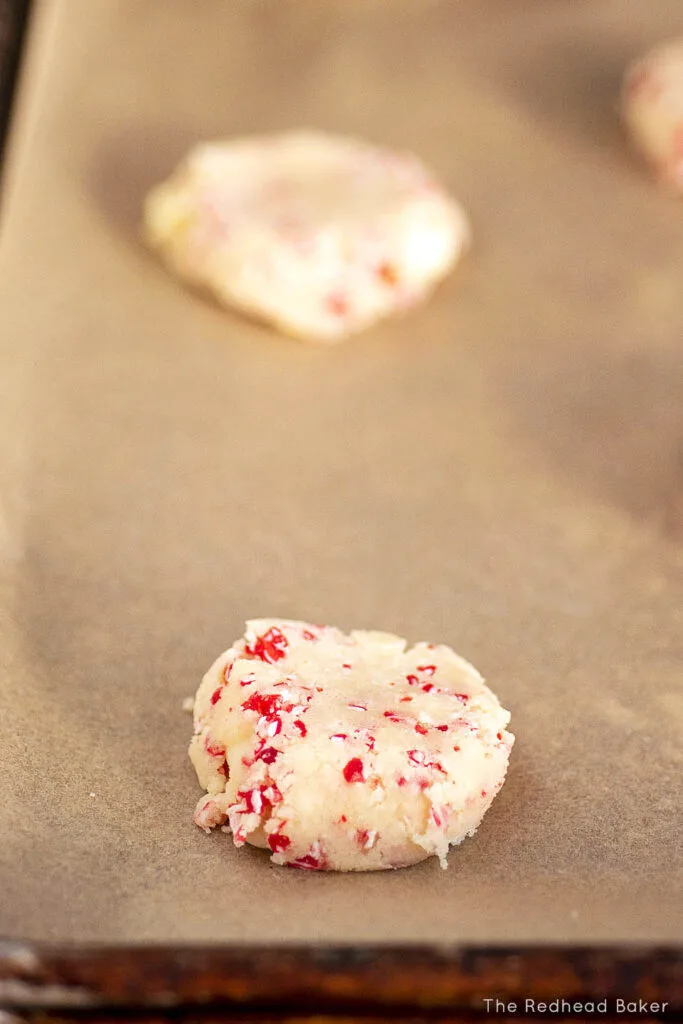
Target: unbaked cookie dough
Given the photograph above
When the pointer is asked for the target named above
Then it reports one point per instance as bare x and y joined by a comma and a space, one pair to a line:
652, 108
346, 753
317, 234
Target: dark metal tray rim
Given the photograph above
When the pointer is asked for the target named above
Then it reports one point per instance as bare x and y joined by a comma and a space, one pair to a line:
85, 976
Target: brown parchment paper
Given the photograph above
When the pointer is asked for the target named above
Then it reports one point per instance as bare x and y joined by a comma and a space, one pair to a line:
500, 470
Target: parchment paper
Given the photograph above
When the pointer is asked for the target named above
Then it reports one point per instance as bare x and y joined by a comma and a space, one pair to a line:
500, 470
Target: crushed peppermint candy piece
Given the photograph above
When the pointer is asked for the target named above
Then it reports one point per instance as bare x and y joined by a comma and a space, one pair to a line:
345, 752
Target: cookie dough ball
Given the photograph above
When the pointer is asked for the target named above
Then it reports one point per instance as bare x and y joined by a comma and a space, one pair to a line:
316, 234
652, 107
346, 753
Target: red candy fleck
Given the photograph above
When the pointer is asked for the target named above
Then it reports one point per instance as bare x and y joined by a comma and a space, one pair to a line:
295, 709
422, 729
346, 666
213, 749
392, 716
314, 860
272, 794
366, 839
387, 273
428, 669
353, 770
307, 635
462, 696
253, 800
438, 816
427, 687
269, 725
483, 792
263, 703
216, 695
499, 735
338, 305
442, 728
420, 758
278, 842
268, 755
270, 647
358, 707
300, 726
413, 680
248, 680
401, 781
456, 748
404, 699
260, 798
223, 770
308, 862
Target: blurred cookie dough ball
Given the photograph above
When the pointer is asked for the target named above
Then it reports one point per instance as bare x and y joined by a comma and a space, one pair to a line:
316, 234
652, 109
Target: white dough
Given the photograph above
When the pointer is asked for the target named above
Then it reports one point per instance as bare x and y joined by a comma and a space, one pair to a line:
345, 753
318, 234
652, 108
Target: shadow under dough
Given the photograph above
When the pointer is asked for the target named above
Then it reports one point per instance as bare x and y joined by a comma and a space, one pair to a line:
124, 171
129, 164
574, 89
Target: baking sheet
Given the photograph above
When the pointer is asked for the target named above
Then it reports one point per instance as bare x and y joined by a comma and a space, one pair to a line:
500, 470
